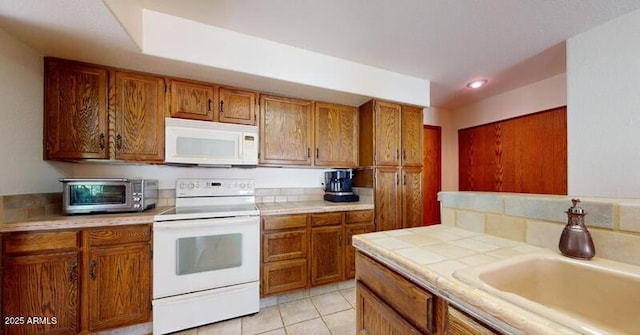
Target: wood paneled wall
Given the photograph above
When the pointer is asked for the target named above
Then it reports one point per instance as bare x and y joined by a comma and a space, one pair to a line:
527, 154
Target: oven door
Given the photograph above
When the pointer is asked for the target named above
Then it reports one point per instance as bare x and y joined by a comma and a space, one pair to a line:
202, 254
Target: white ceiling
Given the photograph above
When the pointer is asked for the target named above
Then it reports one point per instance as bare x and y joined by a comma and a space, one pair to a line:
449, 42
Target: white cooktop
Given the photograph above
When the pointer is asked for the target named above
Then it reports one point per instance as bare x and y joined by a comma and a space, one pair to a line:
211, 198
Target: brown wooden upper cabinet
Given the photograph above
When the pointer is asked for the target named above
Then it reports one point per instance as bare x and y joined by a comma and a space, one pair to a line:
390, 134
237, 106
286, 129
93, 112
336, 135
75, 111
208, 102
411, 136
191, 100
138, 104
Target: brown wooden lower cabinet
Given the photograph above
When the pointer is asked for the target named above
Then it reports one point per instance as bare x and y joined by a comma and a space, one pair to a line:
305, 250
459, 323
388, 303
76, 281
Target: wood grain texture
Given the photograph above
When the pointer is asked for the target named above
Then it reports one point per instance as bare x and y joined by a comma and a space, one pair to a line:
412, 197
336, 135
41, 242
527, 154
120, 294
361, 227
388, 132
139, 117
410, 301
237, 106
461, 324
412, 140
75, 111
327, 254
374, 316
190, 100
324, 219
284, 276
274, 222
286, 131
41, 285
432, 172
359, 216
126, 234
366, 139
284, 245
388, 198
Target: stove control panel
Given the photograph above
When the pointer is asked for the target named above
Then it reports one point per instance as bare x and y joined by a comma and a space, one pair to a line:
187, 187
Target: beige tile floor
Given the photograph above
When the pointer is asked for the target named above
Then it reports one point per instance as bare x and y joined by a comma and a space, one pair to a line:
325, 313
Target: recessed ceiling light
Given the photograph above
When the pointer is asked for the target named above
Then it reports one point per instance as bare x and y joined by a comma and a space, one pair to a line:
477, 83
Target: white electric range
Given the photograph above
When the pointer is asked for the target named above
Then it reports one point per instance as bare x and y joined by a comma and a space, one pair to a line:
206, 258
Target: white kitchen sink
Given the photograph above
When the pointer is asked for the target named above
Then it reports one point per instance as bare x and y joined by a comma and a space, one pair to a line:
592, 297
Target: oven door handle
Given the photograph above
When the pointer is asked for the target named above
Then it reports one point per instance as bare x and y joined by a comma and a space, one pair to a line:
205, 223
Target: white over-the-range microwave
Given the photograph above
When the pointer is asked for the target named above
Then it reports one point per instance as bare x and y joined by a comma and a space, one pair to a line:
207, 143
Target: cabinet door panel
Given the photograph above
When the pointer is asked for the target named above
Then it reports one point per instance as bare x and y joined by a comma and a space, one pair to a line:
388, 198
373, 316
119, 286
284, 276
75, 111
237, 106
350, 230
326, 254
412, 197
411, 136
336, 135
192, 100
285, 126
284, 245
139, 117
43, 286
387, 133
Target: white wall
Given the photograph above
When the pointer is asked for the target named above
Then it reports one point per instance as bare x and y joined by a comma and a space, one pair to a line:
542, 95
180, 39
603, 80
22, 169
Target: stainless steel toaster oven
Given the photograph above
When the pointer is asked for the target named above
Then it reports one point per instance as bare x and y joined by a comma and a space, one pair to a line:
108, 195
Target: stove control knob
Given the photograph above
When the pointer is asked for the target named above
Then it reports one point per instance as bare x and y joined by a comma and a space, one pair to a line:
242, 185
181, 185
197, 185
191, 186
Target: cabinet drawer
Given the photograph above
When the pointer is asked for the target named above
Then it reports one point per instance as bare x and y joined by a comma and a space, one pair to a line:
412, 302
326, 219
284, 221
284, 245
459, 323
359, 216
47, 241
119, 235
284, 276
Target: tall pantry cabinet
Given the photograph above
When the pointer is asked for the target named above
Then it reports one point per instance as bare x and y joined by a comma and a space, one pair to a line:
391, 162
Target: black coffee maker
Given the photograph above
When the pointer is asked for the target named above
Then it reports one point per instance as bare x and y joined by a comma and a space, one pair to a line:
338, 186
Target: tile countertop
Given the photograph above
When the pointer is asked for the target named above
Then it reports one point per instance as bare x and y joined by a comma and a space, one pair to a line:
430, 255
82, 221
320, 206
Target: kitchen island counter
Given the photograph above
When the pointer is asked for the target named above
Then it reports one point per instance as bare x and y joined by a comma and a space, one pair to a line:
320, 206
430, 255
78, 221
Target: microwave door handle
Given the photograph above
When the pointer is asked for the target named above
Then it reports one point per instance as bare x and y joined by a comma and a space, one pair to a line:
94, 179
